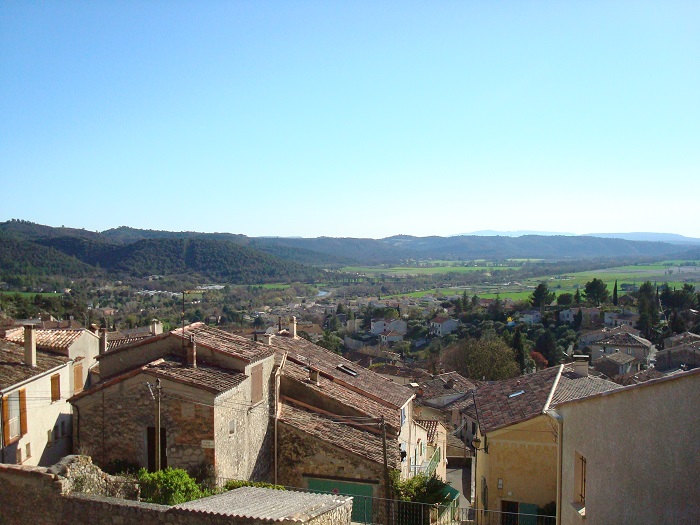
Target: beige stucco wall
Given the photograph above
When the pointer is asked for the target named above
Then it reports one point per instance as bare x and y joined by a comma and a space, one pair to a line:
87, 347
44, 415
524, 457
642, 450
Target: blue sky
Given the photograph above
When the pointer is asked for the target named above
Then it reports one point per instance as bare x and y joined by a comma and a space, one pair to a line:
361, 119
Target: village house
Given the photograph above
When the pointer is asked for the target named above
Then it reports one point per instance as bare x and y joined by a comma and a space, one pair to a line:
638, 347
680, 356
437, 398
515, 464
590, 316
213, 392
441, 326
639, 461
616, 364
613, 319
531, 316
35, 428
390, 337
379, 326
588, 337
679, 339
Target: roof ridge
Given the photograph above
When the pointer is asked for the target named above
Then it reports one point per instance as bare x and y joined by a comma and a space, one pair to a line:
554, 389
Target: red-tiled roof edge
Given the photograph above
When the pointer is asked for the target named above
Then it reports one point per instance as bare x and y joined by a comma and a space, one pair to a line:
135, 344
651, 382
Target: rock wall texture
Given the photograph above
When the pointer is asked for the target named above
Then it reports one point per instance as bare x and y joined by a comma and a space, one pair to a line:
43, 496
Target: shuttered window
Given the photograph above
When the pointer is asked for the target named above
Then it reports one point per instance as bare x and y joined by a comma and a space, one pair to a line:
55, 387
256, 377
78, 378
14, 416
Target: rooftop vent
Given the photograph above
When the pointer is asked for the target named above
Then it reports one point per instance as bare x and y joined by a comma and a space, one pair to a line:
516, 394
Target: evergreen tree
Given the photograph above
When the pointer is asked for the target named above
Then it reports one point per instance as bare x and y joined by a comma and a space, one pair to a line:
614, 296
541, 296
519, 348
577, 297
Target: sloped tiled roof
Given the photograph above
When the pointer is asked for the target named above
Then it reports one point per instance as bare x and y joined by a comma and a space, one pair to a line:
504, 403
117, 342
371, 384
12, 367
347, 437
216, 339
495, 409
625, 339
431, 426
447, 384
570, 386
620, 358
57, 340
266, 505
209, 378
342, 394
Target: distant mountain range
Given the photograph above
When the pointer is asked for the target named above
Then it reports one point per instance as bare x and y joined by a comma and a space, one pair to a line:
631, 236
34, 249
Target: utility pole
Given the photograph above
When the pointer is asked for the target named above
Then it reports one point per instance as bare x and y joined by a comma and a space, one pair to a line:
387, 486
158, 443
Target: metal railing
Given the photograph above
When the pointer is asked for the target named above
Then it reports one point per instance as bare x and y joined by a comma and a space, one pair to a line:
381, 511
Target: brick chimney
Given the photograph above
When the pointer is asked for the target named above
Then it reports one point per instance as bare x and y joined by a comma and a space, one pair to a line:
103, 341
156, 327
192, 353
294, 327
30, 345
581, 365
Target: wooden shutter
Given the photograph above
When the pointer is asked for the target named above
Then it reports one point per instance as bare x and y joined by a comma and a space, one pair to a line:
55, 387
5, 421
257, 384
23, 412
77, 378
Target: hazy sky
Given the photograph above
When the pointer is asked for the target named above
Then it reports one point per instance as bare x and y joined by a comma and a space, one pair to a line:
362, 119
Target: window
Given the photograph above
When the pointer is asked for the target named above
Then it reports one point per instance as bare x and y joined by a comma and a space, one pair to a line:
28, 450
231, 427
55, 387
78, 378
403, 415
580, 480
14, 416
256, 377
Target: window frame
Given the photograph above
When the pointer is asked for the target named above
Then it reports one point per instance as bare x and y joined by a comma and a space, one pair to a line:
55, 388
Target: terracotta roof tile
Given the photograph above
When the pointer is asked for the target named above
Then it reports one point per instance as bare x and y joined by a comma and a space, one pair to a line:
216, 339
50, 339
371, 384
12, 367
620, 358
504, 403
342, 435
209, 378
570, 386
625, 339
339, 392
431, 426
447, 384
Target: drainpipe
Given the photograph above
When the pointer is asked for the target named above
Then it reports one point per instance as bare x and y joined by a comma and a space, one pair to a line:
2, 432
560, 449
278, 374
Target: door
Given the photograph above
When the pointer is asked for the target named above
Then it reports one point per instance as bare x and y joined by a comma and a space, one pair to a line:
362, 492
509, 513
151, 445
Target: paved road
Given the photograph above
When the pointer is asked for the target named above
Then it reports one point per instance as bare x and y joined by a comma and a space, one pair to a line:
460, 479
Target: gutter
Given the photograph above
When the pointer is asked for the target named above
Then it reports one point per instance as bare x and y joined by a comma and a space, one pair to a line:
278, 374
2, 433
560, 449
560, 437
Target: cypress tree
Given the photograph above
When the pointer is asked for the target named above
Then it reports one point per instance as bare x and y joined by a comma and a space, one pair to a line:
614, 299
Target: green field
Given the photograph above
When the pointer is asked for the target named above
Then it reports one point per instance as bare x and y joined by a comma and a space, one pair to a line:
422, 270
33, 294
674, 273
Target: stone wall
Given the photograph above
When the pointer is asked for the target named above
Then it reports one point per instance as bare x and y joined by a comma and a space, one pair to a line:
111, 425
42, 497
301, 456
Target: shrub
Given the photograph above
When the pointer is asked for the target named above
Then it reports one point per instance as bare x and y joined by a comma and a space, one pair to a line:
238, 483
168, 487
